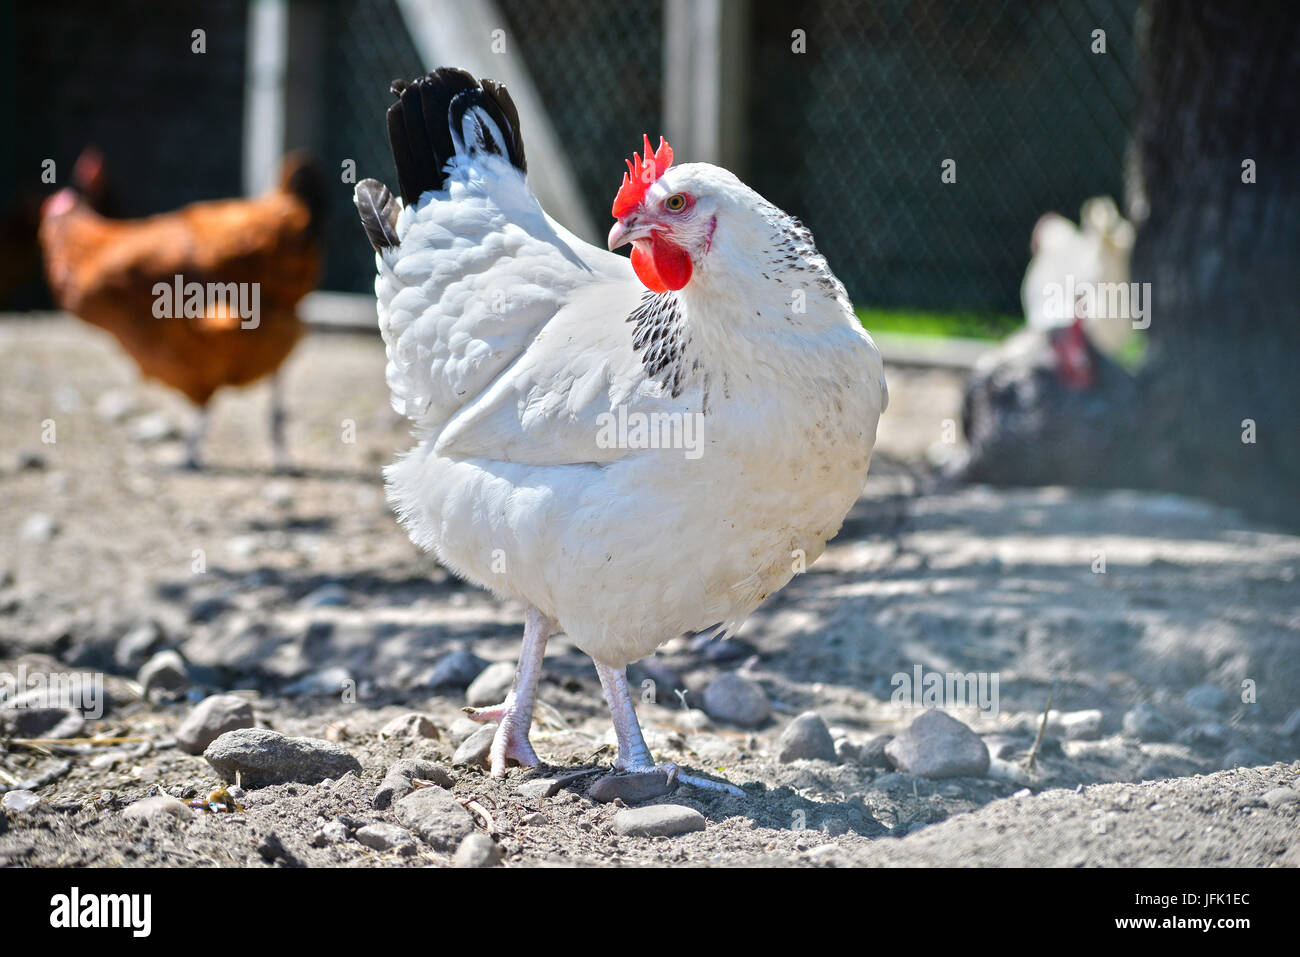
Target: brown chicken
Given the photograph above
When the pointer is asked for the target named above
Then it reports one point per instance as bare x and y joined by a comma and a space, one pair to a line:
202, 297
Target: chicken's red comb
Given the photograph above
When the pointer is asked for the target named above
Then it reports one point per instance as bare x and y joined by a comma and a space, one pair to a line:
641, 174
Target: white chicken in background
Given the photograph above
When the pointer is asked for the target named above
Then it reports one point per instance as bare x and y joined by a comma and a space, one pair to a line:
530, 362
1067, 259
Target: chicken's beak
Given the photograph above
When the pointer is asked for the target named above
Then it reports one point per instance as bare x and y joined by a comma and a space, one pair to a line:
626, 231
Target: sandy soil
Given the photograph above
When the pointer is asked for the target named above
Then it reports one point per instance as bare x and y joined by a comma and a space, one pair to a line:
1194, 614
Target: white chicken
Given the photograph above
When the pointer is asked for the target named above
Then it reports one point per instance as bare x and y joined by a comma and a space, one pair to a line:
521, 353
1064, 292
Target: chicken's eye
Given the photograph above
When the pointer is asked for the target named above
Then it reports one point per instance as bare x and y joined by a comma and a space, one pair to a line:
675, 203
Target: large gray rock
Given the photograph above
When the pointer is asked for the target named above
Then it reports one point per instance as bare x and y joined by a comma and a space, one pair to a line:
477, 748
939, 746
436, 816
262, 757
211, 718
630, 788
737, 700
806, 738
658, 820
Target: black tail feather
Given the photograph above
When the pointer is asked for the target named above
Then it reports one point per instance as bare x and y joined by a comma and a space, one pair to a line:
420, 125
378, 211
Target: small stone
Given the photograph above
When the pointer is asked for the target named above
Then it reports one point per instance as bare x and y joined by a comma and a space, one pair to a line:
658, 820
1207, 736
19, 801
806, 738
632, 788
39, 527
1146, 723
400, 779
1279, 797
1206, 699
326, 596
28, 722
114, 405
384, 837
331, 681
456, 669
846, 752
134, 648
477, 748
477, 850
413, 725
1080, 725
536, 789
153, 428
435, 815
872, 754
1245, 757
332, 833
210, 719
491, 686
1011, 771
534, 819
262, 757
160, 808
736, 700
694, 719
28, 460
164, 673
939, 746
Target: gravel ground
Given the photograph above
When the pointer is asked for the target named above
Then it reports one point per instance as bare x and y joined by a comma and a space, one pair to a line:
1164, 632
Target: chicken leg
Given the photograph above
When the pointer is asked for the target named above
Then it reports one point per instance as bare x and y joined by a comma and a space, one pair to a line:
194, 439
515, 714
279, 451
633, 754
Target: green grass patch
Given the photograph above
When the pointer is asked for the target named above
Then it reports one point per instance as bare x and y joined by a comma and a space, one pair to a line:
963, 325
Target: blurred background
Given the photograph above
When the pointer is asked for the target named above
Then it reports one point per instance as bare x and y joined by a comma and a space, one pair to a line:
839, 111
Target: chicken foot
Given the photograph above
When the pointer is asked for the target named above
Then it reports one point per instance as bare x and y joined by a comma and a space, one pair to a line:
515, 714
633, 755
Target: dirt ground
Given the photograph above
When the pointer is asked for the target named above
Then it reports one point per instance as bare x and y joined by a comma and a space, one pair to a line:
285, 587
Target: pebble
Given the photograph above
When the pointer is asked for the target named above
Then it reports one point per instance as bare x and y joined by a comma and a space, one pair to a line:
1080, 725
477, 748
160, 808
535, 789
165, 672
736, 700
477, 850
154, 427
400, 779
413, 725
328, 681
332, 833
26, 722
658, 820
872, 754
456, 669
1208, 735
134, 648
939, 746
39, 527
213, 717
326, 596
631, 788
694, 719
1012, 771
114, 405
436, 816
1146, 723
846, 752
19, 801
1207, 699
262, 756
491, 686
806, 738
384, 837
1281, 796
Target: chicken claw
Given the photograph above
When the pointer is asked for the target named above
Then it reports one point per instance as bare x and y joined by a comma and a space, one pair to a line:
515, 714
